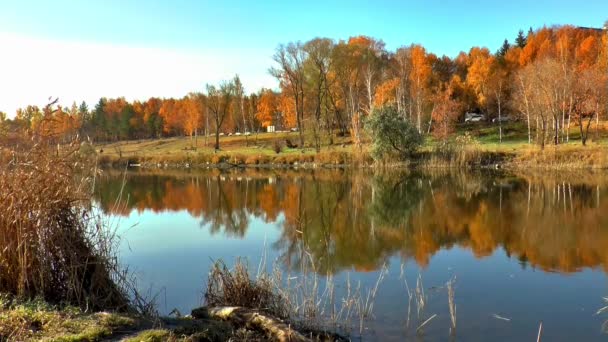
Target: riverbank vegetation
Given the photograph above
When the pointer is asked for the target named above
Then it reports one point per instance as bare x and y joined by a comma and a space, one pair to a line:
545, 88
51, 244
474, 145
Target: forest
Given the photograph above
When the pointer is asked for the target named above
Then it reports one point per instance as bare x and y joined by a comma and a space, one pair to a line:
553, 80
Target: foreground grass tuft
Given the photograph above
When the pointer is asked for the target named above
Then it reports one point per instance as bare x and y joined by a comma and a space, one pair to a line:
36, 320
235, 287
154, 335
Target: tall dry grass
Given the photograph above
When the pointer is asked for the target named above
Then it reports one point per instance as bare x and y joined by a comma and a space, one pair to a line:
226, 287
52, 246
306, 300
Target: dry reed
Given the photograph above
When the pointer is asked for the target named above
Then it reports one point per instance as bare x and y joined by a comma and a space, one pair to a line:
304, 300
52, 246
601, 311
226, 287
451, 304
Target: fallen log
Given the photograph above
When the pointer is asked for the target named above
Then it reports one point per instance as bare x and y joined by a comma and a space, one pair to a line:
272, 327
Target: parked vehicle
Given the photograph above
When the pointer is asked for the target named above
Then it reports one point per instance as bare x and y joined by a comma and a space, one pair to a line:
504, 118
473, 117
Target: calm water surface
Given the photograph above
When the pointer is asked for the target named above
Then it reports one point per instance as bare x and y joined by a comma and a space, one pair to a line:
529, 248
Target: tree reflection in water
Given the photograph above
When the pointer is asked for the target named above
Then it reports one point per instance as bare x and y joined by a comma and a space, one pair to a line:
349, 219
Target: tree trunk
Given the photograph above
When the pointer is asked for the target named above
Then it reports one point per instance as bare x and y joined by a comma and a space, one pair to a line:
544, 132
529, 131
217, 140
568, 127
585, 133
274, 328
206, 129
556, 128
499, 121
597, 122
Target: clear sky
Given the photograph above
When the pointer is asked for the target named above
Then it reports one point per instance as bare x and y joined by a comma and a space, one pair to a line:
85, 49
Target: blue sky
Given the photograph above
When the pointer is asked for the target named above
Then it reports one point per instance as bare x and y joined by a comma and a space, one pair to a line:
221, 38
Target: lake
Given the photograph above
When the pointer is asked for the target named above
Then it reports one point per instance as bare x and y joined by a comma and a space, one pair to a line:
521, 249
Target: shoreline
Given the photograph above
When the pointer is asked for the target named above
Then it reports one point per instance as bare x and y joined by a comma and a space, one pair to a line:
539, 161
38, 320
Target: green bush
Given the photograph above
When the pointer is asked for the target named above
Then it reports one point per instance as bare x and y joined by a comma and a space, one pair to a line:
391, 134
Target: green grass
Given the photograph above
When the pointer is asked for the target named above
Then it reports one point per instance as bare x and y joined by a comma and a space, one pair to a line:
184, 145
153, 335
36, 320
484, 138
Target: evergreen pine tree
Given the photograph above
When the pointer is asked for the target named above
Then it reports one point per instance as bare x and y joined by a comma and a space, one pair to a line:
98, 120
521, 40
503, 49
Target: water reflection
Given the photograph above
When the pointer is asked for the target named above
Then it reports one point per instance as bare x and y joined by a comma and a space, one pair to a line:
349, 219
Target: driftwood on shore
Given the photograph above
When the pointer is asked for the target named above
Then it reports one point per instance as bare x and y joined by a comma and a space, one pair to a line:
274, 328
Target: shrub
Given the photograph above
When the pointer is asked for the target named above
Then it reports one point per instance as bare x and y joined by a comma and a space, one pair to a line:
252, 160
332, 158
391, 134
277, 146
255, 160
237, 159
203, 158
218, 158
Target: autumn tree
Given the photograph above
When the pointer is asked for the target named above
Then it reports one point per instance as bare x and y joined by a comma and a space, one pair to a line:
169, 112
152, 118
240, 118
478, 74
219, 102
387, 93
117, 113
497, 88
543, 97
193, 113
446, 111
347, 87
290, 73
370, 53
251, 104
522, 96
588, 99
420, 75
287, 110
316, 69
267, 107
402, 65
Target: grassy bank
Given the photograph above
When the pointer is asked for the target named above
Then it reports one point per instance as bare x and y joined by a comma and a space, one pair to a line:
476, 145
36, 320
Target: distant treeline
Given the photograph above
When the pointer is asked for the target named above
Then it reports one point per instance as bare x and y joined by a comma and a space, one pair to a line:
552, 78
